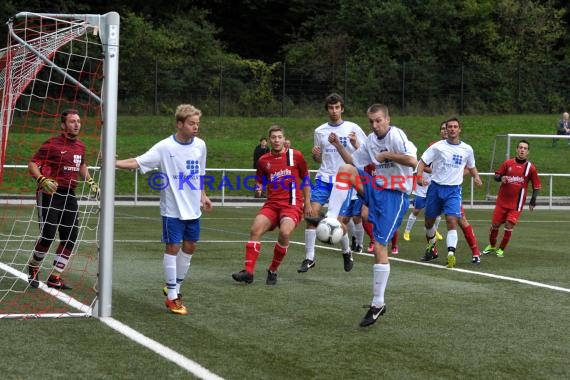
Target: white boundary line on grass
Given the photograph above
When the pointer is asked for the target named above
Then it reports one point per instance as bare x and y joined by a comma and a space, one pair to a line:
167, 353
203, 373
496, 276
490, 275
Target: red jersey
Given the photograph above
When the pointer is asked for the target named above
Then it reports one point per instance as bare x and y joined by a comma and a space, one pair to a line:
512, 195
284, 176
60, 158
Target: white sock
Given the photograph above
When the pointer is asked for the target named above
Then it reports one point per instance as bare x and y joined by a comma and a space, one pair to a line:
183, 261
359, 234
430, 233
337, 198
437, 220
169, 265
350, 227
344, 243
310, 237
452, 238
380, 272
411, 220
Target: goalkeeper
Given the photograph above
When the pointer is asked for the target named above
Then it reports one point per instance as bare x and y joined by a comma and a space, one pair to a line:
56, 166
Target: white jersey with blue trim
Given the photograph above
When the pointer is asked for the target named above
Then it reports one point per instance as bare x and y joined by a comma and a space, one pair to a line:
181, 166
421, 191
448, 161
331, 159
389, 174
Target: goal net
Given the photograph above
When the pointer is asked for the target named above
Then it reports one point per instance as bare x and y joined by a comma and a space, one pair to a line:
52, 63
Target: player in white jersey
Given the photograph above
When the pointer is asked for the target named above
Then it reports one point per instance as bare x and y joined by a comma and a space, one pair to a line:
420, 193
181, 161
448, 159
327, 155
385, 192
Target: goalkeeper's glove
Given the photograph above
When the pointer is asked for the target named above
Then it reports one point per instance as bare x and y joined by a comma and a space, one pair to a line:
49, 185
94, 188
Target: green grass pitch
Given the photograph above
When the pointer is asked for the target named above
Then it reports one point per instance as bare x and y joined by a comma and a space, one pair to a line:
477, 322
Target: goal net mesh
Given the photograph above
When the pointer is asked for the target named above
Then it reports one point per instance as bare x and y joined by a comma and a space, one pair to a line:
48, 65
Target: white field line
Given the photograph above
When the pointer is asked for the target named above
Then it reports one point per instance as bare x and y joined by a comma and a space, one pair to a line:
203, 373
436, 266
167, 353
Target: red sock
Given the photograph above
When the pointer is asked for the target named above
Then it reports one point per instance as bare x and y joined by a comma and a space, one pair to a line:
395, 239
279, 253
471, 241
368, 227
493, 233
252, 249
506, 238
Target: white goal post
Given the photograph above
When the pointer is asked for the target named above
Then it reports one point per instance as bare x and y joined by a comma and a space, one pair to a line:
29, 64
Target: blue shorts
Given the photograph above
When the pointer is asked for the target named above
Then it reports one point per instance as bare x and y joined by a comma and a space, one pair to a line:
351, 207
175, 230
386, 209
443, 199
321, 192
419, 202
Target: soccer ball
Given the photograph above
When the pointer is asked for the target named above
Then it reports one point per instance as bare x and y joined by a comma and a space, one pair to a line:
329, 231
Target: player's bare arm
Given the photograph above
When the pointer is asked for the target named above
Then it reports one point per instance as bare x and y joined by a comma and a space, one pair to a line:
475, 174
335, 141
400, 158
317, 154
420, 172
206, 202
129, 163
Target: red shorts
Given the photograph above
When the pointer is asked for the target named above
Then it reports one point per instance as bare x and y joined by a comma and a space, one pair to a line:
502, 215
277, 211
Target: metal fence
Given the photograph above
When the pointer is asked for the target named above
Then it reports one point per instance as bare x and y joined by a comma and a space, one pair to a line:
283, 89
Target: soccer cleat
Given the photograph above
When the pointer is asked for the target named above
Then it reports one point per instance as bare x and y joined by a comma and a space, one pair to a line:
176, 306
430, 253
500, 253
57, 282
33, 272
371, 247
438, 236
372, 315
243, 276
165, 292
489, 249
353, 243
271, 278
476, 259
407, 235
348, 261
395, 250
450, 260
314, 220
357, 249
306, 265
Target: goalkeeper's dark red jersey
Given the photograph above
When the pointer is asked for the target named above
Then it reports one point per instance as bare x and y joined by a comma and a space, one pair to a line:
60, 158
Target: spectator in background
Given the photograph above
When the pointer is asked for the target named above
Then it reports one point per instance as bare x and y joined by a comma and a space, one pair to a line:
287, 144
563, 127
259, 151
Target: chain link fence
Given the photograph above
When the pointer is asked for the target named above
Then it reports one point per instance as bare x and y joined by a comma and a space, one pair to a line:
237, 89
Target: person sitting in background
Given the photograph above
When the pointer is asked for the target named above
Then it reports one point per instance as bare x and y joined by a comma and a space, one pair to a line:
563, 127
